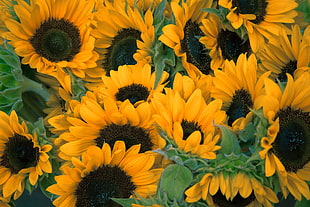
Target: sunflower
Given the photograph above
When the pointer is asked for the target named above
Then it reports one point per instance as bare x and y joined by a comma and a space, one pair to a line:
103, 174
95, 121
183, 36
54, 34
289, 55
239, 88
262, 19
190, 123
21, 156
286, 148
223, 43
132, 82
137, 205
231, 190
128, 39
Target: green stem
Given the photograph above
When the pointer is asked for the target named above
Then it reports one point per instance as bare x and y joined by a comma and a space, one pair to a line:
33, 86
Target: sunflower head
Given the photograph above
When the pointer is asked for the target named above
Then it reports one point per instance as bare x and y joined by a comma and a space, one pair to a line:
105, 173
285, 149
23, 154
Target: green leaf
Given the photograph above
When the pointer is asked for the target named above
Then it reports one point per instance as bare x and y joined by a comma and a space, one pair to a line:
302, 203
46, 181
229, 142
174, 180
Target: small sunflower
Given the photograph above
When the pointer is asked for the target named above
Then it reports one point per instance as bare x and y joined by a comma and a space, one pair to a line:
21, 156
224, 189
132, 82
95, 122
286, 148
223, 43
105, 173
54, 34
261, 18
128, 39
239, 88
190, 123
289, 55
183, 36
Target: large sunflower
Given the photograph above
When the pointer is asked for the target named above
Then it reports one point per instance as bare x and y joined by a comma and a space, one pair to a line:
233, 190
21, 156
96, 121
239, 88
183, 36
123, 36
261, 18
133, 82
286, 149
54, 34
288, 55
223, 43
103, 174
190, 123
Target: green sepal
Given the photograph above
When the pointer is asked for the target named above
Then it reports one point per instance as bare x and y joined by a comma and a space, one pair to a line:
229, 143
304, 6
174, 180
125, 202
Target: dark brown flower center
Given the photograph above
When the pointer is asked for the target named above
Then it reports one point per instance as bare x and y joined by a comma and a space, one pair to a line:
292, 144
189, 127
256, 7
238, 201
239, 107
134, 93
195, 51
99, 186
131, 135
19, 153
290, 68
56, 40
231, 45
122, 49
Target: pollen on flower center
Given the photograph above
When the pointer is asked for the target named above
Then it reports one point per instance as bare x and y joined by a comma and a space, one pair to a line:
134, 92
57, 40
256, 7
232, 45
239, 107
195, 51
99, 186
237, 201
122, 49
131, 135
292, 145
19, 154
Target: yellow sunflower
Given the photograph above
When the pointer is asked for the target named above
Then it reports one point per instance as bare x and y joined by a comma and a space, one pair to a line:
286, 148
223, 43
239, 88
133, 82
21, 156
95, 121
54, 34
123, 36
231, 190
105, 173
190, 123
288, 55
262, 19
183, 36
137, 205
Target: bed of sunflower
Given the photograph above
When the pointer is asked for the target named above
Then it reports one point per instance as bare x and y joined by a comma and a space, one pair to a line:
158, 103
